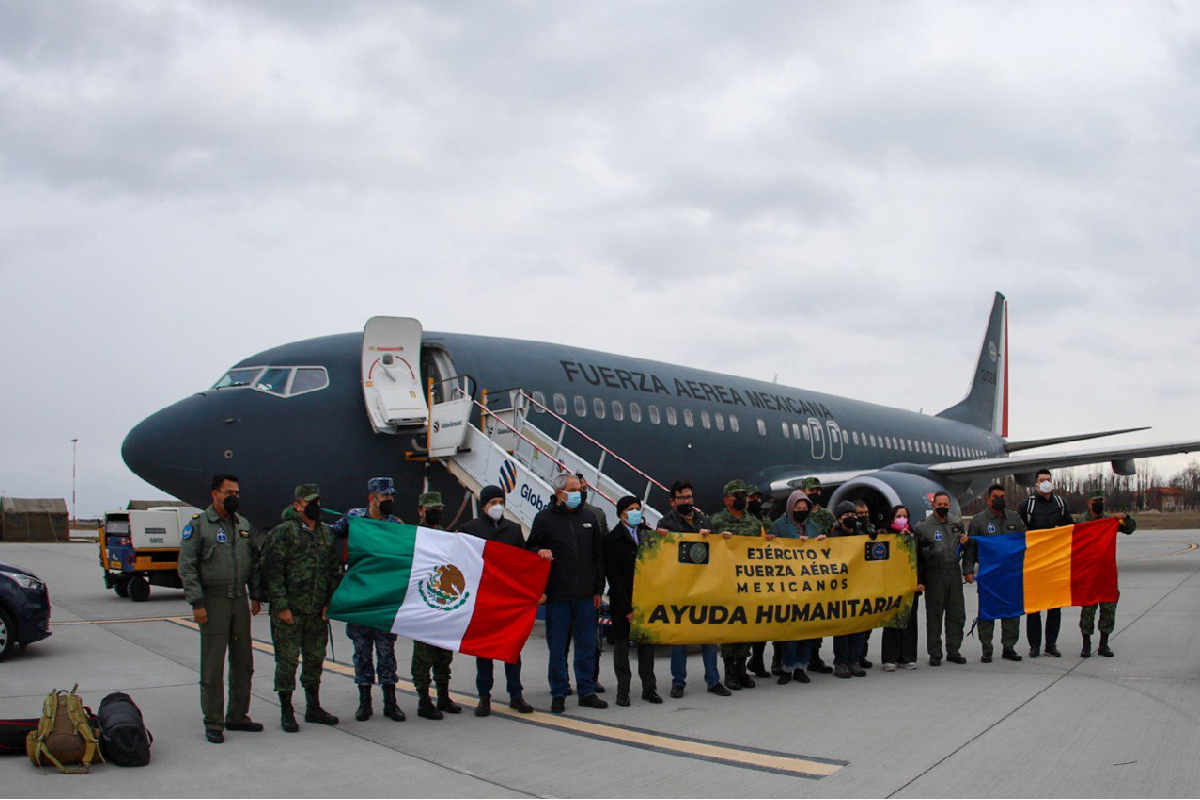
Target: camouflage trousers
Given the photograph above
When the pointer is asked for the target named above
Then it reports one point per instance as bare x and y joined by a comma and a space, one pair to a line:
1108, 618
735, 650
370, 642
425, 658
303, 639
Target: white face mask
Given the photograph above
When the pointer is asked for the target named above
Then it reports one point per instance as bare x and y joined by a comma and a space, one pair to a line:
496, 512
1045, 487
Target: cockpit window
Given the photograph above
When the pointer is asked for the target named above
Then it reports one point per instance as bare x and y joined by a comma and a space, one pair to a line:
308, 379
237, 378
274, 380
279, 381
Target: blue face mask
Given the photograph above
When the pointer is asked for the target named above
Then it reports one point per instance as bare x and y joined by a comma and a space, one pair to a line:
635, 518
574, 499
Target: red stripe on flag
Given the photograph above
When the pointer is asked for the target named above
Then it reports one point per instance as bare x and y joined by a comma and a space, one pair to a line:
513, 581
1094, 563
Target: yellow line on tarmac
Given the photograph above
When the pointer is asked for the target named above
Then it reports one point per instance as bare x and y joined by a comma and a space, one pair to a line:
718, 752
1191, 546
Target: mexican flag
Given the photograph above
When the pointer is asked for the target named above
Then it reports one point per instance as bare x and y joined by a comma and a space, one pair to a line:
452, 590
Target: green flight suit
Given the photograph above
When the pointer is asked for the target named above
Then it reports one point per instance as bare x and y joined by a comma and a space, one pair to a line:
747, 525
301, 569
1108, 611
939, 556
989, 523
218, 565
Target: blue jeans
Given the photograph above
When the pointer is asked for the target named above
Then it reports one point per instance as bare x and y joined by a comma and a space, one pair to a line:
485, 677
796, 655
849, 649
574, 619
708, 654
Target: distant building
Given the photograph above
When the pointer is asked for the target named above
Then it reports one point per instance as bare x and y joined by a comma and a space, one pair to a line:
27, 519
1165, 498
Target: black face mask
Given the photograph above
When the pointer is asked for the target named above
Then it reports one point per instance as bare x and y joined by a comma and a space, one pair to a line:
386, 507
313, 510
941, 512
815, 499
998, 503
582, 496
433, 516
685, 509
800, 516
739, 504
232, 503
1098, 507
755, 506
850, 523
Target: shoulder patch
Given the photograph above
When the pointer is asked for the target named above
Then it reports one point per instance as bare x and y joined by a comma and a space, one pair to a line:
187, 531
195, 516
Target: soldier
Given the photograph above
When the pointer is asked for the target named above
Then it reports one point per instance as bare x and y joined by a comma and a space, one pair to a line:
848, 648
380, 502
218, 565
300, 571
427, 657
736, 520
823, 519
941, 538
992, 521
756, 664
1044, 509
1108, 611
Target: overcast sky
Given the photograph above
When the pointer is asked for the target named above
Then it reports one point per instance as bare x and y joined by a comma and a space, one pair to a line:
827, 192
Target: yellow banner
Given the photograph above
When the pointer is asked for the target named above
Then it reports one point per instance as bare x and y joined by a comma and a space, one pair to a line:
693, 589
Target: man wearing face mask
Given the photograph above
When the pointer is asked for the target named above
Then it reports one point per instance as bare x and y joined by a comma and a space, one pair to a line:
569, 538
756, 665
848, 648
1108, 611
219, 570
811, 486
368, 641
300, 572
492, 526
621, 546
602, 523
736, 520
428, 658
1045, 509
995, 520
941, 538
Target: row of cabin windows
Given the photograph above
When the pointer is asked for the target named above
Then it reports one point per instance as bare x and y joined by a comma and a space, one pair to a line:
600, 410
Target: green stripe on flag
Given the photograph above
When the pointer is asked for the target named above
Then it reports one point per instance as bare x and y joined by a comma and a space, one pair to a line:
381, 555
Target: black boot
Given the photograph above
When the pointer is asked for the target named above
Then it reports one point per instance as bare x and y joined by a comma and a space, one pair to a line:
744, 676
732, 679
1087, 647
312, 708
484, 707
287, 715
390, 709
444, 702
755, 664
426, 708
364, 711
776, 660
1104, 649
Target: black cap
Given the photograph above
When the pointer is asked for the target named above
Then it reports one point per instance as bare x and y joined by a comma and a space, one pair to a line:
845, 507
490, 493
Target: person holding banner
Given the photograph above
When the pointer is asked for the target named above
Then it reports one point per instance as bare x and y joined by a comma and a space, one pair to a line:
796, 523
941, 538
995, 520
825, 521
736, 520
428, 658
1108, 611
900, 644
621, 546
848, 648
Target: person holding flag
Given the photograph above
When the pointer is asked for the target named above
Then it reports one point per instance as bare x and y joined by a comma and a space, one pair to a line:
1108, 611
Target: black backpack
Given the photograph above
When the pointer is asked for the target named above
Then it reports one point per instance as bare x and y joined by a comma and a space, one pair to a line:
124, 739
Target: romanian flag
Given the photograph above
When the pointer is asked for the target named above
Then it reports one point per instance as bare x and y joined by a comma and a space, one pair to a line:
451, 590
1020, 573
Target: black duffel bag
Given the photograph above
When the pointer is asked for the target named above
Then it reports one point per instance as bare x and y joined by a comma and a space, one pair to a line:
124, 739
13, 733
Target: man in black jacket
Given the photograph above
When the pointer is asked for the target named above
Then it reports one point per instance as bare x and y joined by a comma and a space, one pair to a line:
621, 546
1044, 510
569, 537
492, 526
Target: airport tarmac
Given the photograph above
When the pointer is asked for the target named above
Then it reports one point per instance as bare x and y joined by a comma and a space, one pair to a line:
1045, 727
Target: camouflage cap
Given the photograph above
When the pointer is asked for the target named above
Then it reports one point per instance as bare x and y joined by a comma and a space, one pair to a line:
735, 485
1096, 495
307, 491
752, 489
810, 483
381, 486
430, 500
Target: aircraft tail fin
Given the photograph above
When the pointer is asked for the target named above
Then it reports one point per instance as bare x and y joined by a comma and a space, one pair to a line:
986, 403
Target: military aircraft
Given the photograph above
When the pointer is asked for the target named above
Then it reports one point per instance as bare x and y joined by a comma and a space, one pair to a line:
339, 409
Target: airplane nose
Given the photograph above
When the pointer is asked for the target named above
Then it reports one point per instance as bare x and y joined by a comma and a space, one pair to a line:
167, 448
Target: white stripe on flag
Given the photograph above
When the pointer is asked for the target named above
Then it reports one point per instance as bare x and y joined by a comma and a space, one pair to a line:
440, 619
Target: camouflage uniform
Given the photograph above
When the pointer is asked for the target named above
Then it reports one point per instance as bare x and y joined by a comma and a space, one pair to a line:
989, 523
939, 554
747, 525
367, 639
1108, 611
824, 520
300, 572
427, 658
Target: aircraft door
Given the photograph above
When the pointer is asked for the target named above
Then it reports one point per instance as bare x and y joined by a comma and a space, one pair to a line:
392, 389
836, 440
817, 437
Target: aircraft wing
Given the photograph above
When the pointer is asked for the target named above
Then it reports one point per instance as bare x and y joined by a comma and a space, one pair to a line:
789, 483
1027, 462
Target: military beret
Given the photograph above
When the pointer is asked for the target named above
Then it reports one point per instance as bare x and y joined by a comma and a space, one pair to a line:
381, 486
845, 507
490, 493
735, 485
307, 491
810, 483
1096, 495
430, 500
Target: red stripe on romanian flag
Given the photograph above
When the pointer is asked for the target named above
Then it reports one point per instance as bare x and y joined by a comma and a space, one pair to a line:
1075, 565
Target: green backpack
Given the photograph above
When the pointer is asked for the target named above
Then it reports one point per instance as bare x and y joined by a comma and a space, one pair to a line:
65, 736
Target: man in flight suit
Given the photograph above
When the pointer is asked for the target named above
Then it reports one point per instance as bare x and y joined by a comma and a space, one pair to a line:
940, 541
993, 521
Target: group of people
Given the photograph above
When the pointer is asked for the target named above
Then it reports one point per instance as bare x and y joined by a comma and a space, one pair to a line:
226, 579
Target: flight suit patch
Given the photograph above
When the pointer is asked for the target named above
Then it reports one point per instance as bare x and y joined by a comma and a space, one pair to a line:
221, 537
937, 536
187, 532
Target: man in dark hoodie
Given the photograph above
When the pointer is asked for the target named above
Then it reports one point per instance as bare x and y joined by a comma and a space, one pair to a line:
491, 525
570, 538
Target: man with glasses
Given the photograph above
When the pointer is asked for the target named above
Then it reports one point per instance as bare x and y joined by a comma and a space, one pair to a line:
684, 517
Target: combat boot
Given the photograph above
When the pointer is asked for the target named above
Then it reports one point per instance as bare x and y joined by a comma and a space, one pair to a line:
484, 707
426, 708
776, 660
312, 708
743, 675
732, 680
444, 702
390, 709
364, 711
287, 715
755, 665
1104, 649
1086, 652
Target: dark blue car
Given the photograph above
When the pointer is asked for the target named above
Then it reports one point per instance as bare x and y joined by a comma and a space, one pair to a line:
24, 609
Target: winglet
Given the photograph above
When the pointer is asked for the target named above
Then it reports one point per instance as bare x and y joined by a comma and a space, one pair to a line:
986, 403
